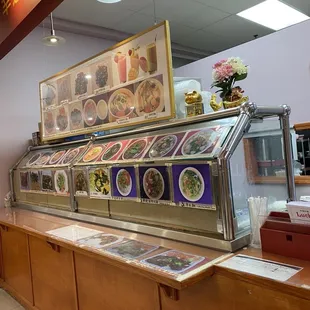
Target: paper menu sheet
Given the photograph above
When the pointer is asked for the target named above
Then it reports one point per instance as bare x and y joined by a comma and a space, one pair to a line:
261, 267
73, 232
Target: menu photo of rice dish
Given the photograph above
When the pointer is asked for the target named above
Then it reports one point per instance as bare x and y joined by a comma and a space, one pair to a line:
100, 241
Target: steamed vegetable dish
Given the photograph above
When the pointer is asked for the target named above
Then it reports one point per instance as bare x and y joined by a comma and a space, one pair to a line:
80, 181
197, 144
135, 149
191, 184
61, 181
111, 151
163, 146
153, 184
99, 181
47, 182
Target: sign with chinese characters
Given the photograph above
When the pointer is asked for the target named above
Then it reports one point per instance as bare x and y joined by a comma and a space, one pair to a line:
19, 17
128, 84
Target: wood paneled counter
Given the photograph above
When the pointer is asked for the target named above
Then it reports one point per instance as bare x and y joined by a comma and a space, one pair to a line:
46, 272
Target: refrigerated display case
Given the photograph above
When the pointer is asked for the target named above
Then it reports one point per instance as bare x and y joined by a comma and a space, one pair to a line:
182, 179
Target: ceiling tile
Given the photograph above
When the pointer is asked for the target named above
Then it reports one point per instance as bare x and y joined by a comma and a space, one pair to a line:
179, 31
189, 13
237, 29
231, 6
300, 5
135, 23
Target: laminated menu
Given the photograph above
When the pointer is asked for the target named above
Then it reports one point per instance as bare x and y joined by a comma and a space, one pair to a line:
124, 183
154, 184
80, 177
35, 181
130, 249
100, 241
24, 180
164, 145
192, 185
129, 84
174, 262
99, 182
47, 181
201, 142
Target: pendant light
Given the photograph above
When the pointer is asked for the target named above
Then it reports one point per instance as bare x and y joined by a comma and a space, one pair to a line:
53, 40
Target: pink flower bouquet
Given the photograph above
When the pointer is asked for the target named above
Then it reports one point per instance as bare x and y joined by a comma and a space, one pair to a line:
225, 73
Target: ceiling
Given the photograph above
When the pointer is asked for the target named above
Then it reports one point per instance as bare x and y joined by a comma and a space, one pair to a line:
207, 25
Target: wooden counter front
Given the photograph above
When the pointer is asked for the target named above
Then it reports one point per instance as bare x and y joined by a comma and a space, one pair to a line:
46, 273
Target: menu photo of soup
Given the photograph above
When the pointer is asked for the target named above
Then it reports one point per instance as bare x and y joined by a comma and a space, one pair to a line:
24, 180
201, 142
164, 145
90, 114
124, 182
192, 185
122, 105
154, 184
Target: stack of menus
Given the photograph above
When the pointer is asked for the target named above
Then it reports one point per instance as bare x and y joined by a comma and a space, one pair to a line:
128, 84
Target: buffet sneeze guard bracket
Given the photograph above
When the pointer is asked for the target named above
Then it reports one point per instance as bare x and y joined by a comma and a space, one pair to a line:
220, 172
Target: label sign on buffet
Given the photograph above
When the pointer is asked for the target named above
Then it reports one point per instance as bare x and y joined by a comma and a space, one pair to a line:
129, 84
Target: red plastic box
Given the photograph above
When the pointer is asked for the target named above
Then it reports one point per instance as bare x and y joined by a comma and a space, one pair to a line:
280, 236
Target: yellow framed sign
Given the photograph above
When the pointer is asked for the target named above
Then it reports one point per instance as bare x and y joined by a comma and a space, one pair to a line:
129, 84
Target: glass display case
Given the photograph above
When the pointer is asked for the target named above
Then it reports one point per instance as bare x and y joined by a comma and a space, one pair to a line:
182, 179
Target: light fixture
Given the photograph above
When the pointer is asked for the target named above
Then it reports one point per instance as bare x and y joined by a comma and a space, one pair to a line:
109, 1
53, 40
273, 14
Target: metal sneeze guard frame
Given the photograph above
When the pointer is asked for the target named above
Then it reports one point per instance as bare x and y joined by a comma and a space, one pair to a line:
232, 241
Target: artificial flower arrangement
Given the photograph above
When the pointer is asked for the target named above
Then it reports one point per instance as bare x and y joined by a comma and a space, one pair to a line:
225, 73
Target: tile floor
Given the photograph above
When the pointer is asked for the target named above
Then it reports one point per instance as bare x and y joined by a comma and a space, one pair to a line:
8, 303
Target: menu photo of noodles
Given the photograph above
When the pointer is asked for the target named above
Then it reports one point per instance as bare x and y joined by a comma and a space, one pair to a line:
154, 184
80, 177
201, 142
124, 182
192, 186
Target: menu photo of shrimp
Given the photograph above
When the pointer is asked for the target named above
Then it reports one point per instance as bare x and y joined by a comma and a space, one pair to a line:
124, 183
192, 186
201, 142
154, 184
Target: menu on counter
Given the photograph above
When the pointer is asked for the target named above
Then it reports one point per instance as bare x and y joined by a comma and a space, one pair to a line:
192, 185
100, 241
129, 84
124, 182
154, 184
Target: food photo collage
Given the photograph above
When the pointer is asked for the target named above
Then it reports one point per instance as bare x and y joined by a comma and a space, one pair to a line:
127, 85
167, 261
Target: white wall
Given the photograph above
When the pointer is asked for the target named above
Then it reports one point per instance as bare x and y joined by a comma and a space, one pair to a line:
279, 69
20, 73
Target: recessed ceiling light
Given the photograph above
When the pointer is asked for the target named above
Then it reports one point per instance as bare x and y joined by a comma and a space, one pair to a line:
109, 1
273, 14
